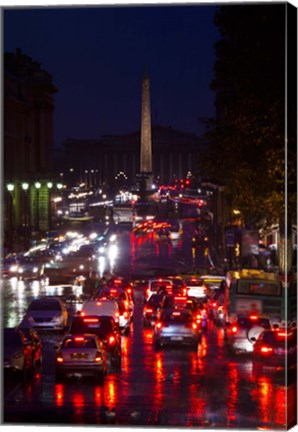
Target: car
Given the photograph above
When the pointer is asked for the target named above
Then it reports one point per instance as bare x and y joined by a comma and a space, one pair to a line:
107, 306
176, 327
167, 286
83, 354
275, 348
19, 354
105, 328
122, 297
195, 287
151, 308
47, 313
241, 334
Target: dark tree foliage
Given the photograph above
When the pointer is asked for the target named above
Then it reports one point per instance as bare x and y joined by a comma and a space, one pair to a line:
247, 141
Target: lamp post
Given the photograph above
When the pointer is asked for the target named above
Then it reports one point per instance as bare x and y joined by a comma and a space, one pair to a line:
25, 187
37, 187
59, 212
10, 188
50, 185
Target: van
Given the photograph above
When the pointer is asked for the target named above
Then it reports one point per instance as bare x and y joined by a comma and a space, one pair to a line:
101, 307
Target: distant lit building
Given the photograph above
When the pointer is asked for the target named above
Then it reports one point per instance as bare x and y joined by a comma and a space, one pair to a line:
117, 157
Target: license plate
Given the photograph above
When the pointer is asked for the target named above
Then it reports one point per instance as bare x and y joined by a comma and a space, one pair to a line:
79, 356
176, 338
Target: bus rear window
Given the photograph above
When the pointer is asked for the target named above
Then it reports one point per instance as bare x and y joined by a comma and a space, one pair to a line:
259, 288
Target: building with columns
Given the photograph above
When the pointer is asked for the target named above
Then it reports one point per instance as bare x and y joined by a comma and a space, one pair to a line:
28, 142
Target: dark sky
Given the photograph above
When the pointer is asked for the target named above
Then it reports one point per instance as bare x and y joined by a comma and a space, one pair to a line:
97, 54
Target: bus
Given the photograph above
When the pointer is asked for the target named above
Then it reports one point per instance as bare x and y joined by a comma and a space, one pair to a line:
257, 292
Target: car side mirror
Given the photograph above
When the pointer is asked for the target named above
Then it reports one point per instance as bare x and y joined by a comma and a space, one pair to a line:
253, 339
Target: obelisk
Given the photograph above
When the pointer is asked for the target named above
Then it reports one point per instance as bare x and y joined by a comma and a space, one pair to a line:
146, 144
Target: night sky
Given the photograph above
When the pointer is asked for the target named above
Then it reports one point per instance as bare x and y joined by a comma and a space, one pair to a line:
97, 55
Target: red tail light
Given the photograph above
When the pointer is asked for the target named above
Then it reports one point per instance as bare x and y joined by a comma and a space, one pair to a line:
59, 359
253, 317
234, 329
79, 339
266, 350
194, 326
148, 310
90, 320
158, 325
112, 340
199, 318
214, 304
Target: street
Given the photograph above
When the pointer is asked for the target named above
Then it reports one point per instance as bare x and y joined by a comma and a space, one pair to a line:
173, 386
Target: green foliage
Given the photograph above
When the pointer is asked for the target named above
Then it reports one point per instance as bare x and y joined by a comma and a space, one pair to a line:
247, 142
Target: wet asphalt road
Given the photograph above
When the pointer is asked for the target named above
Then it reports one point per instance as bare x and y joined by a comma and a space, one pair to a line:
172, 387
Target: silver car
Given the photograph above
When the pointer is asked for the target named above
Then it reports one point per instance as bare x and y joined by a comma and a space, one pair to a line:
84, 354
241, 334
176, 327
47, 313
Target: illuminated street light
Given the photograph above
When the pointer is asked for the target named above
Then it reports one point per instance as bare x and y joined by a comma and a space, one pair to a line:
37, 186
49, 185
25, 187
10, 188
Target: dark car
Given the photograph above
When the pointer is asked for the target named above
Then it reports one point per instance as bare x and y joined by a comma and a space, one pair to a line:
275, 348
19, 354
105, 328
151, 308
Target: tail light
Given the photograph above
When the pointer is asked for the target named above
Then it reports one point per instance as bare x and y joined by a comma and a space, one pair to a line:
90, 320
126, 315
266, 350
98, 357
214, 304
112, 340
129, 290
79, 339
158, 325
59, 358
199, 318
147, 292
194, 326
253, 317
148, 310
234, 329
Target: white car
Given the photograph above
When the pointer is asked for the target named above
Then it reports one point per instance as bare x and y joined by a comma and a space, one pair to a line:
195, 287
47, 313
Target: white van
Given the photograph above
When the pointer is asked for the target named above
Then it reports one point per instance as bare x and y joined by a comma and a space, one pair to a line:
107, 307
101, 307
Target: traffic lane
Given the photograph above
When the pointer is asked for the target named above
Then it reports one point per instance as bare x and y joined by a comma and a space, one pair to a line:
173, 386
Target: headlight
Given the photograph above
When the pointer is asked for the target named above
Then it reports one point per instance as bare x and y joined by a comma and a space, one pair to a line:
35, 270
57, 318
21, 270
101, 249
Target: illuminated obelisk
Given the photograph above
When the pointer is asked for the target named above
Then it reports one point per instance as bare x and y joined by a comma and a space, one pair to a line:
146, 144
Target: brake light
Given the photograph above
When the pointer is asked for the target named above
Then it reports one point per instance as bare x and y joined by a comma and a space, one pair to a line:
180, 298
214, 304
199, 318
126, 314
112, 340
234, 329
194, 326
117, 281
82, 313
148, 310
253, 317
129, 290
79, 339
158, 325
176, 313
113, 291
266, 350
59, 359
90, 320
98, 303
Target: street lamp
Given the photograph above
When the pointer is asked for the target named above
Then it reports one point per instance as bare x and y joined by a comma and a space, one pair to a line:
37, 186
10, 188
25, 187
49, 185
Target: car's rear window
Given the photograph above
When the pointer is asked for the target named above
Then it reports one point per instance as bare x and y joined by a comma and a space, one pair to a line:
248, 323
177, 317
79, 342
44, 306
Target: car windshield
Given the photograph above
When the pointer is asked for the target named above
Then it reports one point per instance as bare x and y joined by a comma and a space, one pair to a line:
44, 306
